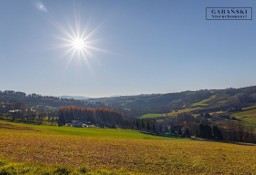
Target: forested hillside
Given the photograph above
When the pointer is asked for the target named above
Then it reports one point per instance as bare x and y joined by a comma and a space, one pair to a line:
135, 106
200, 101
36, 99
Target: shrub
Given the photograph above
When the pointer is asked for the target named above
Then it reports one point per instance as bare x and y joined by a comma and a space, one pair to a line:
2, 162
4, 172
61, 171
83, 170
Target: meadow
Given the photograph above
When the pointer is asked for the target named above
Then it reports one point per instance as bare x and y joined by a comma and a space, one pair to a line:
32, 149
170, 114
147, 116
203, 102
248, 115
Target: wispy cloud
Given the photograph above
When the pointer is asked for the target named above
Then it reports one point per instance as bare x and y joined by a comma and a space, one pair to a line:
40, 6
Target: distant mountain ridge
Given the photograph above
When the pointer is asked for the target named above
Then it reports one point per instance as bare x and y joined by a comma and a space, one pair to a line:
74, 97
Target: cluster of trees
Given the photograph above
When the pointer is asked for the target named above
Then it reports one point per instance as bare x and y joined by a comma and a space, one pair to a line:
28, 114
36, 99
208, 132
203, 126
101, 116
40, 114
148, 125
239, 131
181, 126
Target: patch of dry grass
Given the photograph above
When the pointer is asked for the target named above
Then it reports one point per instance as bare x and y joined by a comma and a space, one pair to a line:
131, 156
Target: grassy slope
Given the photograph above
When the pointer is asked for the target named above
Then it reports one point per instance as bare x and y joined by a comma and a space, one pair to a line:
146, 116
185, 110
70, 131
108, 151
194, 106
203, 102
170, 114
248, 115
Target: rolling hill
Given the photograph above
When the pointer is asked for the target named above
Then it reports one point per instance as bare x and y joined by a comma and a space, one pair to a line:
195, 102
188, 101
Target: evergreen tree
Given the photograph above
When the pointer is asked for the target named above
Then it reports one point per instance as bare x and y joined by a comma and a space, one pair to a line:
204, 131
216, 132
148, 126
142, 124
186, 133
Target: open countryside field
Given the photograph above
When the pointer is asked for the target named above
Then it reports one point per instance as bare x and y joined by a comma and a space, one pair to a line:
147, 116
248, 115
170, 114
185, 110
30, 149
203, 102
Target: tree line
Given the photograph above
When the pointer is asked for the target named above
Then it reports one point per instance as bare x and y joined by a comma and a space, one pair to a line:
101, 116
9, 96
20, 112
203, 126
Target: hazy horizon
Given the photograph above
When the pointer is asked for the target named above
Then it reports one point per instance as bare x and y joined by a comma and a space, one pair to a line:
120, 95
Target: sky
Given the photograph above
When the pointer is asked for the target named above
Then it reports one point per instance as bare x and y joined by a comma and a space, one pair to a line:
132, 47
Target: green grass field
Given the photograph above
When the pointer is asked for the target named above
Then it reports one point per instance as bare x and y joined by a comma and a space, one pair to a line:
248, 115
147, 116
32, 149
71, 131
185, 110
170, 114
203, 102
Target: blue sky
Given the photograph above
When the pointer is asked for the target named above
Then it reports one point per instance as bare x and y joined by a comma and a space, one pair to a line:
149, 46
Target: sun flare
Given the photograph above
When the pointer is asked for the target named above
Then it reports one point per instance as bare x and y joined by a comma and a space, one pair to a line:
78, 41
78, 44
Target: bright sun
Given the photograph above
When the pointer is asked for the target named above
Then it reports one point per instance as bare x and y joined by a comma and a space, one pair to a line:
78, 44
